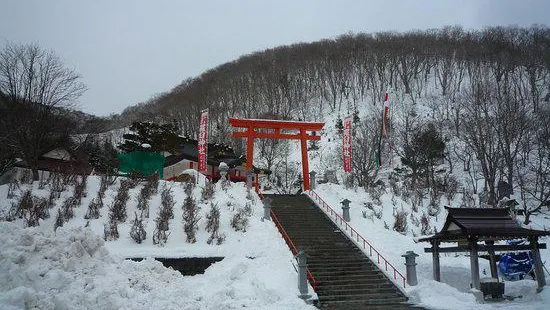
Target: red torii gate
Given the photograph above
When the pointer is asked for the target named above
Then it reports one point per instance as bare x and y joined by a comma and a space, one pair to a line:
302, 134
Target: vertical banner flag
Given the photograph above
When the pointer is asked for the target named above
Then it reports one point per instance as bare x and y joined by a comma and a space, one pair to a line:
346, 145
386, 115
203, 141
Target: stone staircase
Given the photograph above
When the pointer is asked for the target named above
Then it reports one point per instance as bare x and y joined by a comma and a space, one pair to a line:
346, 278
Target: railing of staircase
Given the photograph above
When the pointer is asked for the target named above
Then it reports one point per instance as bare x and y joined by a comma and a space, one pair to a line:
357, 237
292, 247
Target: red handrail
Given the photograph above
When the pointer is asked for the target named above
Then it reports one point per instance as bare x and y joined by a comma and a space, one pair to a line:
358, 237
292, 247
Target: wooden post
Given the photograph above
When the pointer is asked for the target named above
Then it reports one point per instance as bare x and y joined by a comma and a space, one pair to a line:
474, 263
249, 147
305, 167
539, 273
492, 259
435, 261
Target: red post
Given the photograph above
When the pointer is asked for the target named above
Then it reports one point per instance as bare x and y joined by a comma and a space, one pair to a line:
249, 147
305, 167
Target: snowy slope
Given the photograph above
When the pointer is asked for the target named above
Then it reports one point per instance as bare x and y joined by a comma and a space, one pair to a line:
73, 268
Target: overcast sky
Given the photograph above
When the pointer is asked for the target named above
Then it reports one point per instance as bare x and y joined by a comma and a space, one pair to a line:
127, 51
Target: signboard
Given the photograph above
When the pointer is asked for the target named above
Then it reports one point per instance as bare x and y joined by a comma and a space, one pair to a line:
346, 145
203, 142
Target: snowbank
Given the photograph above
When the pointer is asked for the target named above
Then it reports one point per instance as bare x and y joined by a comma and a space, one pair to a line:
73, 268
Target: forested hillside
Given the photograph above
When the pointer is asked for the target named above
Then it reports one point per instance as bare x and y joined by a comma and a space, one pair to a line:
486, 93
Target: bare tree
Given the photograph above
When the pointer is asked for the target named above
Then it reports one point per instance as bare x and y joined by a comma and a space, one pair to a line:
35, 87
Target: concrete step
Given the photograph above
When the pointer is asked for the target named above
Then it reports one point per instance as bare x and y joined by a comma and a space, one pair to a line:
367, 299
346, 278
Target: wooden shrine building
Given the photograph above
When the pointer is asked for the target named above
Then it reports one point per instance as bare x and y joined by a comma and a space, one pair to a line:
477, 229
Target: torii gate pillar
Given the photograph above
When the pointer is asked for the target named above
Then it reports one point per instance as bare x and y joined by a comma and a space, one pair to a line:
272, 130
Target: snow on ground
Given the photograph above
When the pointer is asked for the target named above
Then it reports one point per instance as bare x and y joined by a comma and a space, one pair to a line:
73, 268
453, 292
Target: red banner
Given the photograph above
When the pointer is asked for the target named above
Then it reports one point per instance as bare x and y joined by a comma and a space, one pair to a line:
346, 145
203, 141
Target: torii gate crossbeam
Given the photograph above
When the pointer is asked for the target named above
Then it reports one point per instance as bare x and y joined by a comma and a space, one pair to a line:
292, 130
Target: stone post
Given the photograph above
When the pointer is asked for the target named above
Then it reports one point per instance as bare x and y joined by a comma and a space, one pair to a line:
345, 209
267, 209
410, 257
312, 179
302, 274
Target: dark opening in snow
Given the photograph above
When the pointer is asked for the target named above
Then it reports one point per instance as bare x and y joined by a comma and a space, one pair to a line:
187, 266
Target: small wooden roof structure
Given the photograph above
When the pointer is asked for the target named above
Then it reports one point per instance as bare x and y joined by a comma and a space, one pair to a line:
468, 226
482, 223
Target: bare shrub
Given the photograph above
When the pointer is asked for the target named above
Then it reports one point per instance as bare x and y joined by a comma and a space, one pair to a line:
68, 208
30, 208
137, 232
150, 188
80, 189
395, 187
400, 223
105, 182
425, 225
167, 201
239, 221
110, 229
213, 225
452, 187
468, 200
190, 219
12, 189
160, 235
118, 208
143, 204
93, 208
207, 191
376, 192
59, 221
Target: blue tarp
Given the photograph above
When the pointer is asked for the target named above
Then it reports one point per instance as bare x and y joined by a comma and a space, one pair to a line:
514, 266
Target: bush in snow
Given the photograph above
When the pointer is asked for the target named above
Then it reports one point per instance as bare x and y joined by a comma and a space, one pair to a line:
150, 188
80, 188
68, 208
105, 182
239, 222
452, 187
190, 219
57, 184
376, 192
143, 203
160, 235
93, 208
167, 201
425, 225
110, 229
12, 188
207, 191
118, 208
32, 209
137, 232
58, 220
213, 225
400, 223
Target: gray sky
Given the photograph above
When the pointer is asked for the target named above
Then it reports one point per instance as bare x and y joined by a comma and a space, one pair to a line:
127, 51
